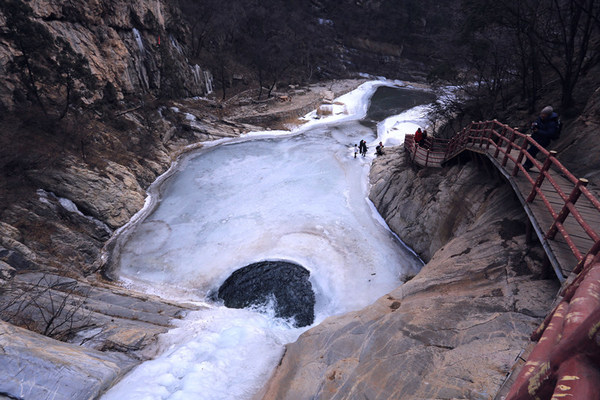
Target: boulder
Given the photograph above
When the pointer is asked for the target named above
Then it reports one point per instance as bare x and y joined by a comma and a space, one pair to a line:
284, 283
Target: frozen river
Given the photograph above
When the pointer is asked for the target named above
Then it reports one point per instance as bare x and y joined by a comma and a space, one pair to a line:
299, 197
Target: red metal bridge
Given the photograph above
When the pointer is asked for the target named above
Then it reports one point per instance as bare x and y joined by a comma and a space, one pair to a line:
565, 216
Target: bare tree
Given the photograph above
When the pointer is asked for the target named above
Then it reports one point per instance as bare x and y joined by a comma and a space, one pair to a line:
52, 306
554, 33
565, 41
55, 77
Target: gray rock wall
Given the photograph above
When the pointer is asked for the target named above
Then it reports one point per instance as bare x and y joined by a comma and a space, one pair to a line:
135, 46
37, 367
428, 207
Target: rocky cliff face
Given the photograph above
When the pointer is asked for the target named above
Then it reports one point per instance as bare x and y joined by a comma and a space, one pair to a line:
83, 137
129, 47
455, 329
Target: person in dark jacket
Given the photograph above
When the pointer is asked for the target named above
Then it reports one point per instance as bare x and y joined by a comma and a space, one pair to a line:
362, 147
544, 129
424, 140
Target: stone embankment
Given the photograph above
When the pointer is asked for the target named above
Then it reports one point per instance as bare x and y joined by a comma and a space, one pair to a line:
455, 329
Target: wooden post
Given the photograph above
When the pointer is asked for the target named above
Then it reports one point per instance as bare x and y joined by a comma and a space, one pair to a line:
509, 148
541, 176
594, 252
481, 136
539, 355
522, 151
500, 141
564, 213
489, 141
485, 132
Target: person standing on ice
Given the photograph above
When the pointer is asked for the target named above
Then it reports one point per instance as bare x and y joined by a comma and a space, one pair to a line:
363, 148
355, 150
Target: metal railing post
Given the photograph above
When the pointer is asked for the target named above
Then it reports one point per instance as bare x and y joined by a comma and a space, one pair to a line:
564, 213
541, 176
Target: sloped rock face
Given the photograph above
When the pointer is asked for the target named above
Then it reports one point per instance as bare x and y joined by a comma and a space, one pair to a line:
67, 184
455, 329
428, 207
36, 367
287, 283
113, 194
109, 330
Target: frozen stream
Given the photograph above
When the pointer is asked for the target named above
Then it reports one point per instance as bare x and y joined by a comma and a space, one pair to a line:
300, 197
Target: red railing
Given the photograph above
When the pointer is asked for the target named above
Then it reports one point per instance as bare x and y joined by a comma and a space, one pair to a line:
431, 154
509, 144
564, 363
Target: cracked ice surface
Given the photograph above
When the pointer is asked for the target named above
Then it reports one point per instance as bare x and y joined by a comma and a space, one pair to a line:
301, 197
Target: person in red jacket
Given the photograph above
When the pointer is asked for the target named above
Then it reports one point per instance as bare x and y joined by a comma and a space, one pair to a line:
418, 136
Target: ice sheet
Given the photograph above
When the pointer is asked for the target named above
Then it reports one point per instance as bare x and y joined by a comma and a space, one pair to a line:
299, 196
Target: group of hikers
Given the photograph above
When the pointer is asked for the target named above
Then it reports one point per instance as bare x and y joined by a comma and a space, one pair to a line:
544, 129
362, 149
